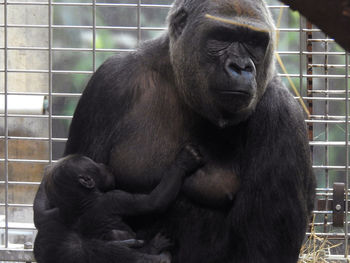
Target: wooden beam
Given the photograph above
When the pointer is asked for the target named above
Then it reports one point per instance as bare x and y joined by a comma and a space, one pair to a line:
331, 16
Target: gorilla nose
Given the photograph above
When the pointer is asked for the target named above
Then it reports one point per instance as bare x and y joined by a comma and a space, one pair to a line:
241, 69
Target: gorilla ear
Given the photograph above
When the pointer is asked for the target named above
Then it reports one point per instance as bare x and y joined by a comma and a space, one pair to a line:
86, 181
179, 22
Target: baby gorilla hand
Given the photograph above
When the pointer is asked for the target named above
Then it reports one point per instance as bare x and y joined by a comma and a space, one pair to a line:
189, 158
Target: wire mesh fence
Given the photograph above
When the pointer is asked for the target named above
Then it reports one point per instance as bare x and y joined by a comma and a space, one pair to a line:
48, 51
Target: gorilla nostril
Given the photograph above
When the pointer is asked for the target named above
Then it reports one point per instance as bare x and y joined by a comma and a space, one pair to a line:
243, 67
249, 68
240, 67
234, 69
245, 71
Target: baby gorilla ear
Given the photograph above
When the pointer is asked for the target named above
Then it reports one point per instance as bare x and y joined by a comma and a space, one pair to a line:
86, 181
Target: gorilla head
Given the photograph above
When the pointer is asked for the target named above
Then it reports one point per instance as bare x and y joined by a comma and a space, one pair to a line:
222, 55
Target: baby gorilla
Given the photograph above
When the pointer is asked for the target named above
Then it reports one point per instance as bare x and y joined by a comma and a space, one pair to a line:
89, 224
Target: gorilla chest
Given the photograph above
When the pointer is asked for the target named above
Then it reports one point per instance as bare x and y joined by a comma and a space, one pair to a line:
140, 164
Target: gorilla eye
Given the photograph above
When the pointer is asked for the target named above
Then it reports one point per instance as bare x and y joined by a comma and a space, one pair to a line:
224, 37
217, 47
252, 42
258, 40
256, 44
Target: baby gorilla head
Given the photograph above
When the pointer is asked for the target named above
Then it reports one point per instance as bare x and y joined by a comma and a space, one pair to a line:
73, 180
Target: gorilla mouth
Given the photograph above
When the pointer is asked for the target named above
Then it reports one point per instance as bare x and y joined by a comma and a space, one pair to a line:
233, 92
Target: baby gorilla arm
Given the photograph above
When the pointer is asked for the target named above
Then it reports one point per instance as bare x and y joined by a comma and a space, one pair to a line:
186, 162
43, 212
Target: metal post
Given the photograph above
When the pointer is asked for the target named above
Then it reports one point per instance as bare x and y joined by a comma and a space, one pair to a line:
139, 36
50, 79
6, 126
326, 113
94, 35
309, 72
346, 152
301, 49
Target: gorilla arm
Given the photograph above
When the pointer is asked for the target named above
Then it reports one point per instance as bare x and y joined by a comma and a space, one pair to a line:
277, 184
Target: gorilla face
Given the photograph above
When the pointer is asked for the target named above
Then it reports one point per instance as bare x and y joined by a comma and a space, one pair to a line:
222, 56
233, 55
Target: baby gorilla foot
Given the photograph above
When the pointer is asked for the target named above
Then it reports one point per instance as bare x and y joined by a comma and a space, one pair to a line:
158, 244
165, 257
189, 158
162, 258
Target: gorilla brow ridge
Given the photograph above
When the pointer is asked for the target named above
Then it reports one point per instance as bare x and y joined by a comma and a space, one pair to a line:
228, 21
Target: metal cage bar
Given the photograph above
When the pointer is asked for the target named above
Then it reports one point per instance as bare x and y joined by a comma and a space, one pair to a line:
6, 124
346, 252
50, 78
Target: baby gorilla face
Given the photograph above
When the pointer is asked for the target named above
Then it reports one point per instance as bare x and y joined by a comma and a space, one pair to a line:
104, 179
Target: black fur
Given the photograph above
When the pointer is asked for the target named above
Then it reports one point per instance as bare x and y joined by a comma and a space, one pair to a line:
88, 225
250, 202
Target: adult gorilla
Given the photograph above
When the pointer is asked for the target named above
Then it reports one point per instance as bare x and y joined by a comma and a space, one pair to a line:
209, 80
